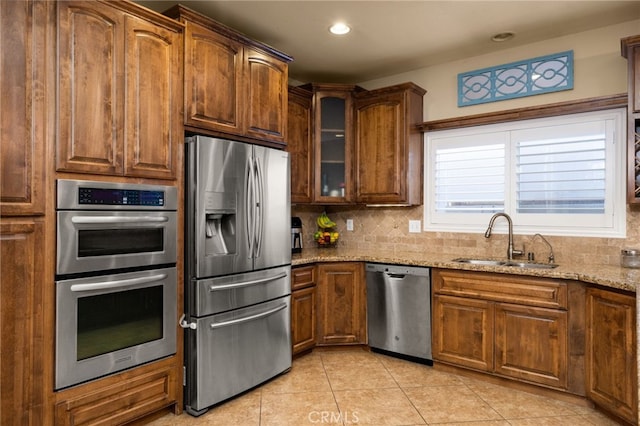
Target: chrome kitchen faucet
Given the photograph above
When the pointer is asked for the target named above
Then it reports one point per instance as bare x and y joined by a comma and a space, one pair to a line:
510, 250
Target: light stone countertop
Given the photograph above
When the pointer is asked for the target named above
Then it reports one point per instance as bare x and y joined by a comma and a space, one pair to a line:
605, 275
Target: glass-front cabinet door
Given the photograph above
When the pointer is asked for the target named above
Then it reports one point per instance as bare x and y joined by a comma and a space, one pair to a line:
333, 146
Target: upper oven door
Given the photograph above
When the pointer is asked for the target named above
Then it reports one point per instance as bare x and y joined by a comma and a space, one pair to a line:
91, 241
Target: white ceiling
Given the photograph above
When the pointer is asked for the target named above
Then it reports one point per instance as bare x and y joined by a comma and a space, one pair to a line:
390, 37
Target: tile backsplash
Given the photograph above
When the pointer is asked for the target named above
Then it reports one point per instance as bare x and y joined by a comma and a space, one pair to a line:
387, 229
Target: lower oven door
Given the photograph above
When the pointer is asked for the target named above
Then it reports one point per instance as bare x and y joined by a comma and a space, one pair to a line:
236, 351
113, 322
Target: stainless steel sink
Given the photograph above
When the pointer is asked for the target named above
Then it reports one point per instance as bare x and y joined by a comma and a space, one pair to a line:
486, 262
531, 265
508, 263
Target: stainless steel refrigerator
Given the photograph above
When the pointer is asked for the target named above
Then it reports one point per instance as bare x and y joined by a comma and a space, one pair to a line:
238, 269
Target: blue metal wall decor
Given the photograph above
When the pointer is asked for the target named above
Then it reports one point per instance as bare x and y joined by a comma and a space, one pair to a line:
551, 73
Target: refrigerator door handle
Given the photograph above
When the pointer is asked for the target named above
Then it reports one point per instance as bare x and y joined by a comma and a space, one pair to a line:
250, 224
248, 318
247, 283
259, 205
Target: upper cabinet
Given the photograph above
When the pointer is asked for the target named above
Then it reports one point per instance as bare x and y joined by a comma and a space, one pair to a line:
233, 85
367, 147
22, 121
388, 145
333, 143
631, 51
120, 85
300, 145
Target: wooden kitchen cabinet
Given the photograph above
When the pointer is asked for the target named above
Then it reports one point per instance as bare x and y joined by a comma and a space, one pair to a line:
120, 85
267, 85
25, 249
388, 145
322, 159
333, 142
511, 326
320, 143
300, 145
24, 107
631, 51
303, 308
23, 359
122, 398
367, 147
611, 363
341, 303
531, 344
463, 331
233, 85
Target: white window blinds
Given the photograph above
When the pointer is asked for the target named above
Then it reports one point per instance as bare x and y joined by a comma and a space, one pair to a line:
470, 179
561, 169
560, 175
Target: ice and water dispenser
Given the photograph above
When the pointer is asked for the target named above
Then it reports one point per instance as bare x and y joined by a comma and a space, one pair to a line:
220, 224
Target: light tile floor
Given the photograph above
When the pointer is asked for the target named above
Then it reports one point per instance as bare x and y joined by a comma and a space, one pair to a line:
356, 387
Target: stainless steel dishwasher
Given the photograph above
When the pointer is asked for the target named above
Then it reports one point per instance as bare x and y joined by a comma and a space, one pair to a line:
399, 310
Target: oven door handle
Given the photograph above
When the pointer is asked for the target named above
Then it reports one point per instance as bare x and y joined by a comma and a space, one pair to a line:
249, 318
117, 283
118, 219
246, 283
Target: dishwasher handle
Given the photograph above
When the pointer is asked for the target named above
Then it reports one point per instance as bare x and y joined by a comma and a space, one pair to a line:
396, 276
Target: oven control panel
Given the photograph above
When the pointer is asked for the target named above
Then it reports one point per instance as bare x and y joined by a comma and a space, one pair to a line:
120, 197
94, 195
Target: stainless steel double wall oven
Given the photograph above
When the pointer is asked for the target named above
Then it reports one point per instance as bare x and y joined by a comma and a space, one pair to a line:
116, 279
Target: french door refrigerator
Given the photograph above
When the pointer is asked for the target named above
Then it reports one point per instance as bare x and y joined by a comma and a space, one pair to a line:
238, 269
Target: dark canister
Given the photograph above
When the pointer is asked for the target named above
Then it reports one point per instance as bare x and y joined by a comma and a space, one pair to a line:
296, 235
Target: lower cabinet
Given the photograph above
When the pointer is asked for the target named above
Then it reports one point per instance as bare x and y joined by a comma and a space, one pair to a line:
23, 353
303, 309
342, 303
611, 352
531, 344
507, 325
463, 331
121, 398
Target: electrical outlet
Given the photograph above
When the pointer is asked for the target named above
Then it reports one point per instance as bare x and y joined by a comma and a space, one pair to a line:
415, 226
349, 224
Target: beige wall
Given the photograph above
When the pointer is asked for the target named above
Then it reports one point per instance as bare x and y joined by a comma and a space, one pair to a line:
387, 229
600, 70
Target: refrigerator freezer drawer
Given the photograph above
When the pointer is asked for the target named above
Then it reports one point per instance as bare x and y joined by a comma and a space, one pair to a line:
238, 350
216, 295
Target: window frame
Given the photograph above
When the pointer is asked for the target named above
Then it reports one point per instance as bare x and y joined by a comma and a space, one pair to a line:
472, 222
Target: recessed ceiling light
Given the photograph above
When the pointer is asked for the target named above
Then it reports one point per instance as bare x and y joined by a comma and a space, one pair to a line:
339, 28
500, 37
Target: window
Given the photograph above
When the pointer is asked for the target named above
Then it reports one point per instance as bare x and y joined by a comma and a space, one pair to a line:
559, 176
